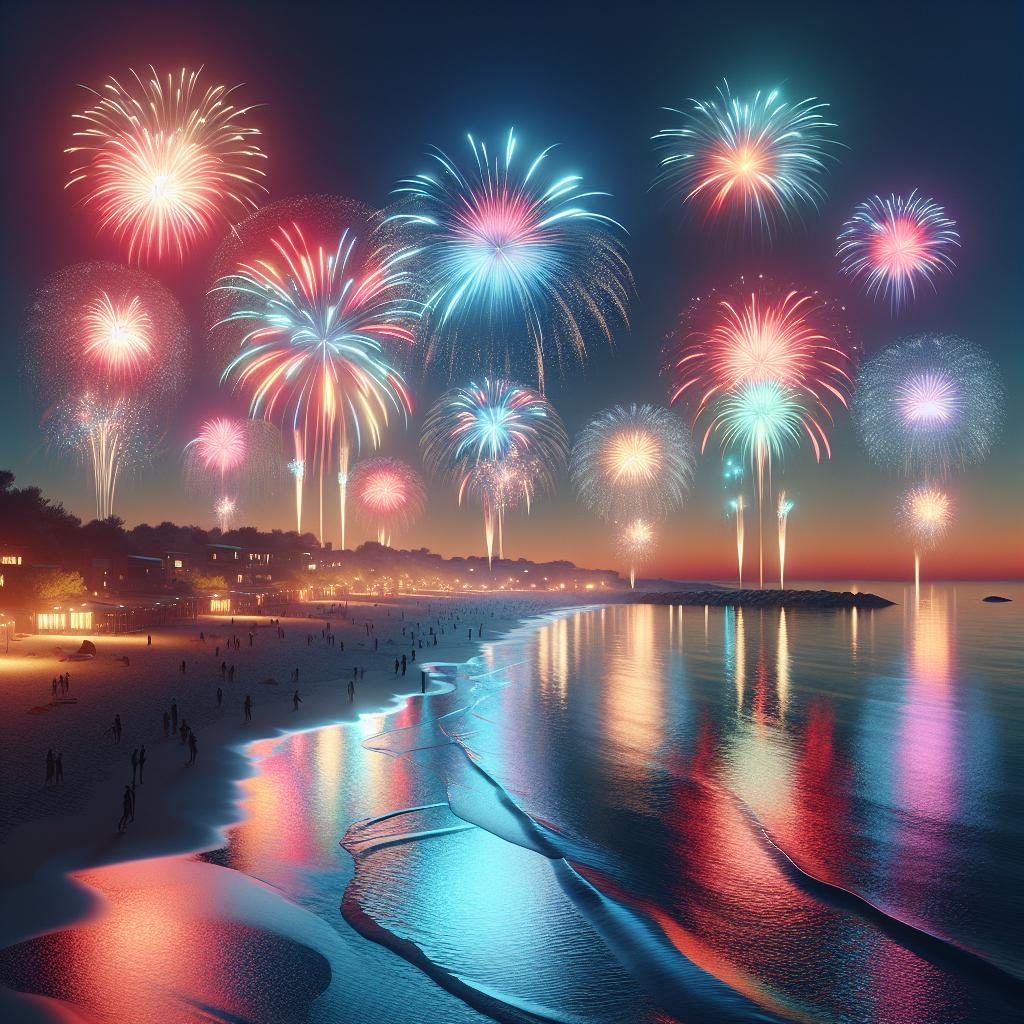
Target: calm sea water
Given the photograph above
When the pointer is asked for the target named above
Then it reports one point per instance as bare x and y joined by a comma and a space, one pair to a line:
639, 813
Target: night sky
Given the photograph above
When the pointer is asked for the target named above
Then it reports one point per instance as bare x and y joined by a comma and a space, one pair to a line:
355, 94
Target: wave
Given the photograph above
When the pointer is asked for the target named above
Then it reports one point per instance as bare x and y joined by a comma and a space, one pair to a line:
937, 949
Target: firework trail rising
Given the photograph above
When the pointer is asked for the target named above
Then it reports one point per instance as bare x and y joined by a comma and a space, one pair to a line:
321, 326
165, 162
389, 495
633, 462
108, 352
473, 434
929, 404
782, 511
519, 268
753, 161
893, 245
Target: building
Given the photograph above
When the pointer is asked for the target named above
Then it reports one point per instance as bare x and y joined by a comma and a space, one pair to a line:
240, 566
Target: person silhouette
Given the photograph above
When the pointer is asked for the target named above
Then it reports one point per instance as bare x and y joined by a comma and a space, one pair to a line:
142, 762
126, 809
193, 747
296, 700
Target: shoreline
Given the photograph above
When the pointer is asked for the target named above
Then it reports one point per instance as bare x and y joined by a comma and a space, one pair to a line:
185, 811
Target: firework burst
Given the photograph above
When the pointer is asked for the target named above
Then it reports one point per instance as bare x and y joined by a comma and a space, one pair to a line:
893, 245
225, 510
165, 162
764, 369
230, 450
496, 439
634, 544
509, 251
632, 462
105, 344
320, 326
929, 404
925, 514
389, 495
755, 161
795, 339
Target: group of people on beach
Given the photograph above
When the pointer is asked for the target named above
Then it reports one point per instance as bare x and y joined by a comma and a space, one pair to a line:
453, 617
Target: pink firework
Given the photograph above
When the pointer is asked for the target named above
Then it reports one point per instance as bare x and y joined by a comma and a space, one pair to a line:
794, 340
222, 445
388, 493
893, 245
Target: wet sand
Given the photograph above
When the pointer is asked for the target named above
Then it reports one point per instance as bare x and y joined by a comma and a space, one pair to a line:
55, 837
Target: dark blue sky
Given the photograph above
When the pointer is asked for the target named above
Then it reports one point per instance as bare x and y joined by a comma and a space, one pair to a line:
923, 97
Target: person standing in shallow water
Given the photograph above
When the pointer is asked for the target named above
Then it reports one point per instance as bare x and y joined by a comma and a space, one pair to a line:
296, 700
142, 762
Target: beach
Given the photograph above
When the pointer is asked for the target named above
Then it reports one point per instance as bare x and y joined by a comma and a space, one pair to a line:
613, 813
51, 831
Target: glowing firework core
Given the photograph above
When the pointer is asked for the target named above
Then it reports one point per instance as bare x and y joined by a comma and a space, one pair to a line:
118, 334
633, 456
928, 399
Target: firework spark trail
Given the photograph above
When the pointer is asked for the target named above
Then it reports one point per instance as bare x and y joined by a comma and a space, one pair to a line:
164, 162
510, 252
757, 160
389, 495
893, 245
926, 514
320, 329
494, 438
929, 404
107, 349
739, 509
782, 510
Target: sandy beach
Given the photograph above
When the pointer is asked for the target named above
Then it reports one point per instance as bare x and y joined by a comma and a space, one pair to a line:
71, 828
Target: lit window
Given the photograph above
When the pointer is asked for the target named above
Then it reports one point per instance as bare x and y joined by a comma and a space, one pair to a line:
50, 621
81, 620
238, 578
177, 563
220, 605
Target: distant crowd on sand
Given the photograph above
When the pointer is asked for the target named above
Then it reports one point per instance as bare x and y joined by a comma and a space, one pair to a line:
435, 620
